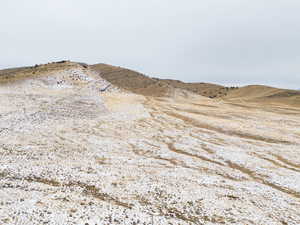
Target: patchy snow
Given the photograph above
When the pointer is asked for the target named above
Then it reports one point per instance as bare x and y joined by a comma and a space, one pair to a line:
74, 153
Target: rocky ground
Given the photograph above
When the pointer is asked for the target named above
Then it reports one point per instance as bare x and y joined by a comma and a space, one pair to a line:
76, 150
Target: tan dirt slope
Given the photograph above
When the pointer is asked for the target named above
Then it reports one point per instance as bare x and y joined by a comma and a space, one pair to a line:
141, 84
265, 95
132, 81
204, 89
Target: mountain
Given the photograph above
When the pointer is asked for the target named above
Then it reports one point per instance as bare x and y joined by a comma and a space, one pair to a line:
97, 144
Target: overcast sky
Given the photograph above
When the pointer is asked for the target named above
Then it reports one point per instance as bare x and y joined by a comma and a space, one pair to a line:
223, 41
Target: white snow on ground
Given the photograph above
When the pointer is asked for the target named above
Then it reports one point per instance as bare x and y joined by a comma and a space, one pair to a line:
74, 153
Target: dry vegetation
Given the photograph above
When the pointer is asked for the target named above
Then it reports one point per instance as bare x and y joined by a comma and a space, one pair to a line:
204, 89
9, 75
142, 84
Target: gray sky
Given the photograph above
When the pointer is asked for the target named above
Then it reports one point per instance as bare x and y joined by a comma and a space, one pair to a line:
227, 42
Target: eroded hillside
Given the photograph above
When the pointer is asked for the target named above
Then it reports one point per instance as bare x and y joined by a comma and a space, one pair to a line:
76, 149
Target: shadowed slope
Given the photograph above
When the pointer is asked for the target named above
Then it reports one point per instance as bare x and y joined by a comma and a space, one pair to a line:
132, 81
141, 84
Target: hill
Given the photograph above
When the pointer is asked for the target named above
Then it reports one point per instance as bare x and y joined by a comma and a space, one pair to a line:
265, 95
142, 84
133, 81
204, 89
139, 83
11, 74
77, 149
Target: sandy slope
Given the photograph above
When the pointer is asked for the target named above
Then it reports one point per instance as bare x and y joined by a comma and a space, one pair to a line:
71, 153
265, 95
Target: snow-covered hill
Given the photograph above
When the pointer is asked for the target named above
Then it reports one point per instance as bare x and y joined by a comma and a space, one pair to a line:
75, 149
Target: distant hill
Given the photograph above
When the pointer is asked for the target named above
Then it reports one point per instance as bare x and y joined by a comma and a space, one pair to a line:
141, 84
265, 94
204, 89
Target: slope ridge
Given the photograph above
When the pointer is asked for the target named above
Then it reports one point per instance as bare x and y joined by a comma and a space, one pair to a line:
142, 84
133, 81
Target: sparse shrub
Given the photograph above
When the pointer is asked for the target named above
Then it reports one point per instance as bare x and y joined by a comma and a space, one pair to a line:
63, 61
